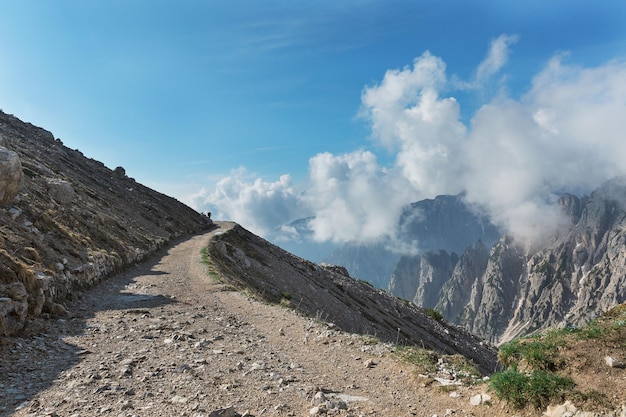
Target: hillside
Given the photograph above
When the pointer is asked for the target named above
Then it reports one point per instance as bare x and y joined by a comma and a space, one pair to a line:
68, 222
328, 293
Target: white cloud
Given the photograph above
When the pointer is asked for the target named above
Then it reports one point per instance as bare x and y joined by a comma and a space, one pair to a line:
353, 197
496, 58
566, 132
260, 206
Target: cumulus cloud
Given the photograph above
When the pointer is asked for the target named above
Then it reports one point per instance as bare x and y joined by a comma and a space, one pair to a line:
353, 197
259, 205
564, 134
512, 159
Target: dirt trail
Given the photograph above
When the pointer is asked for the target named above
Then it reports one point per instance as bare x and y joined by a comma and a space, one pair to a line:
164, 339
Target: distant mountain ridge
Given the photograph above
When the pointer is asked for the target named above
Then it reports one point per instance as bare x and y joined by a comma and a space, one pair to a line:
443, 223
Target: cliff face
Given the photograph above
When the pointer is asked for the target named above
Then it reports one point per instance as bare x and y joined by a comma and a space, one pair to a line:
433, 269
68, 221
580, 272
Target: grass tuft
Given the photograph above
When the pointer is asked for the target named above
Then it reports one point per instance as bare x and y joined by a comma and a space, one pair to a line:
538, 388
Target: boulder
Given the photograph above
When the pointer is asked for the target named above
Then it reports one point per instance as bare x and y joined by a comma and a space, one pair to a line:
60, 190
10, 176
13, 308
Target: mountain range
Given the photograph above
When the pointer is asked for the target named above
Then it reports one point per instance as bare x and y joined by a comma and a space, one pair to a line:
493, 285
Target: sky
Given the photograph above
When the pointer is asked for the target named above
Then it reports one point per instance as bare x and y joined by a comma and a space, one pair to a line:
338, 111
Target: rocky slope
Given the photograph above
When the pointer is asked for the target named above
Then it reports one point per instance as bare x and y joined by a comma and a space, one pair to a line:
330, 294
68, 221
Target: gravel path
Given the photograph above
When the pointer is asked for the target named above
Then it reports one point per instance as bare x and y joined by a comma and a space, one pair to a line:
163, 339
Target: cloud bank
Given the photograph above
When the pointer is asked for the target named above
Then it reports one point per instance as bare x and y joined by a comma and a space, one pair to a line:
513, 157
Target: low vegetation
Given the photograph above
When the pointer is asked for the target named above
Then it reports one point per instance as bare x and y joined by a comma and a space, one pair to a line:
537, 367
430, 364
211, 271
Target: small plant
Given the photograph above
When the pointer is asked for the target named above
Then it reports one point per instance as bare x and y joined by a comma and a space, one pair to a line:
434, 314
425, 360
369, 339
464, 370
285, 295
533, 354
592, 330
204, 254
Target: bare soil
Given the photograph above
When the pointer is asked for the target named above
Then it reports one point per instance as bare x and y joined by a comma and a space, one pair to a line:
163, 338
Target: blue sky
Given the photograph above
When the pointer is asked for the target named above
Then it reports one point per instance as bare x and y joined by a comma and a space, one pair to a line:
252, 109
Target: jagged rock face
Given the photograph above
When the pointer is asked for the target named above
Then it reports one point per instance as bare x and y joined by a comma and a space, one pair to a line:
580, 273
489, 307
455, 292
583, 273
429, 273
10, 175
71, 222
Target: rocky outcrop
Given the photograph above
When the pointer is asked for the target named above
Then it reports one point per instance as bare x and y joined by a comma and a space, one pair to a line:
420, 278
454, 294
488, 310
68, 222
579, 273
10, 174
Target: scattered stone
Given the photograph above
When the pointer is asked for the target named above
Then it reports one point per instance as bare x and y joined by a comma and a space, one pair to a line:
318, 410
480, 399
177, 399
613, 363
369, 363
225, 412
566, 409
60, 190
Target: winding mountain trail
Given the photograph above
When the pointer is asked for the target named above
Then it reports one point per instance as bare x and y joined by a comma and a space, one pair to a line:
163, 339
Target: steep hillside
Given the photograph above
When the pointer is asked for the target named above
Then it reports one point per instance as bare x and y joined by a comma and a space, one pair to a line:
68, 221
330, 294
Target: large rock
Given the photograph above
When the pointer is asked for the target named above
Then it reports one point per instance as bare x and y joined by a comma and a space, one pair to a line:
10, 176
13, 308
60, 190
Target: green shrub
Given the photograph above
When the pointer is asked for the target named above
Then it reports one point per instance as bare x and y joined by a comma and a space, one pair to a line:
537, 389
535, 354
510, 386
434, 314
544, 386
